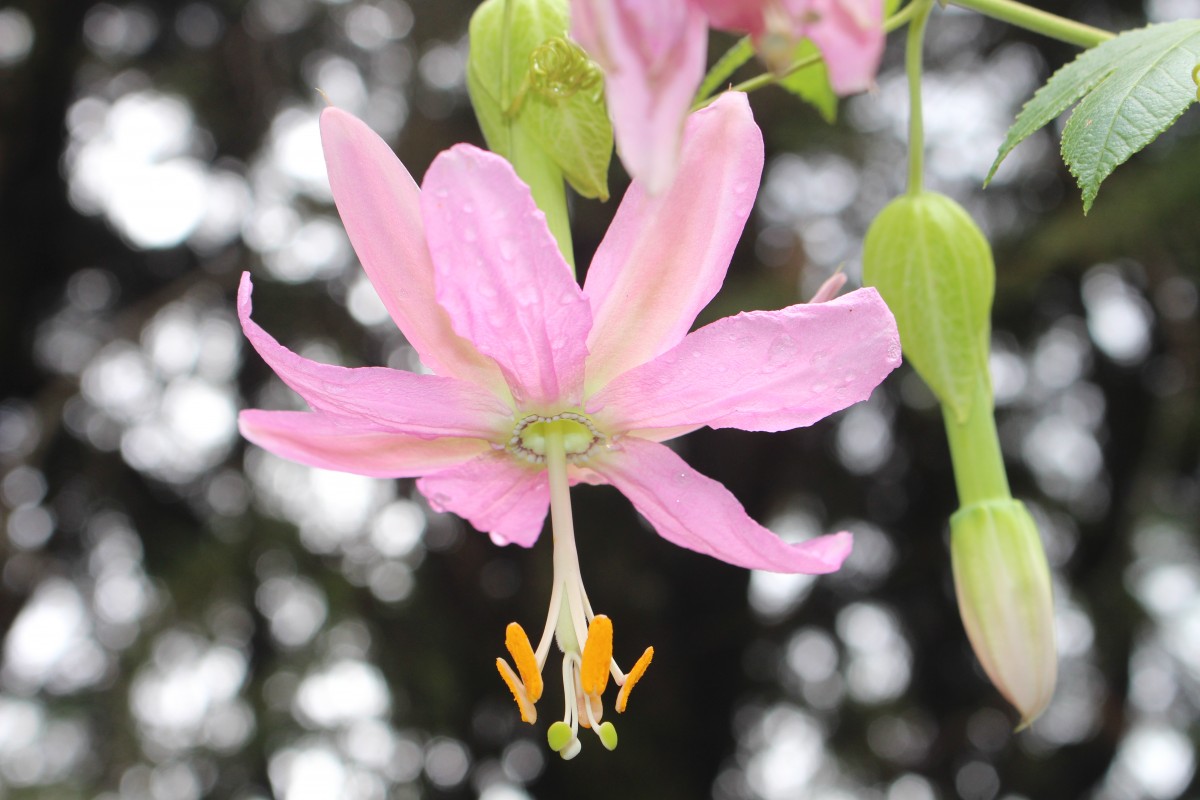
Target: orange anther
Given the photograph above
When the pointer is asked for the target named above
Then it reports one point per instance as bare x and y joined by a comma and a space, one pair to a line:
635, 675
522, 652
597, 655
528, 712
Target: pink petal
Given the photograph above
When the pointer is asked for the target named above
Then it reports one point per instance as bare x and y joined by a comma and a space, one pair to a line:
745, 16
760, 371
321, 440
502, 278
403, 402
495, 493
653, 56
379, 205
698, 513
664, 257
849, 34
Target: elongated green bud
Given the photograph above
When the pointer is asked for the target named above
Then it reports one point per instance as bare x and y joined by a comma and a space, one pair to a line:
1003, 585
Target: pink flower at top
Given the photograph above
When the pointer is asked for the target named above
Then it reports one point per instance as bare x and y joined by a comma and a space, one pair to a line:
540, 384
653, 54
849, 33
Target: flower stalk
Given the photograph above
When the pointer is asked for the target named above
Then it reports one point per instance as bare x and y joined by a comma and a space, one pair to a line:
1038, 21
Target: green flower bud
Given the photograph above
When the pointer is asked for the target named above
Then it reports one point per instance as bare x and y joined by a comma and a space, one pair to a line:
538, 98
933, 266
1003, 587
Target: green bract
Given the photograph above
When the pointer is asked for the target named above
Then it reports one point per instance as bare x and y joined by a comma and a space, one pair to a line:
934, 268
1129, 89
526, 78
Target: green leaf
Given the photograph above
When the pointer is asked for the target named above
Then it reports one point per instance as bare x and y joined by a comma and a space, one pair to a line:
890, 7
811, 84
1129, 89
741, 52
934, 268
542, 83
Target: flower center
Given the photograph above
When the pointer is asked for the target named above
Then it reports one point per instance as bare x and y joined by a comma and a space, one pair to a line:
579, 436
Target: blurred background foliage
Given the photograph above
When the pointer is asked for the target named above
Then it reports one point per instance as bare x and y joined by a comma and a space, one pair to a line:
185, 616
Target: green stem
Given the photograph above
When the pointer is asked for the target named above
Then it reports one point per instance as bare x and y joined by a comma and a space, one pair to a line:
975, 451
1038, 21
545, 181
914, 47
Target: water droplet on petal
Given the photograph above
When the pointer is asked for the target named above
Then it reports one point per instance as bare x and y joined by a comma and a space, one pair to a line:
507, 249
497, 539
820, 387
469, 234
468, 208
782, 351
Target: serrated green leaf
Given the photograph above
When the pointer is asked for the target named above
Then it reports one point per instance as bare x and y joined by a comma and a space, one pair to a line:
934, 268
811, 84
1129, 89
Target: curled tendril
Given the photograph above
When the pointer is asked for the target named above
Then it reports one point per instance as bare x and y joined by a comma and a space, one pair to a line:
1196, 80
558, 69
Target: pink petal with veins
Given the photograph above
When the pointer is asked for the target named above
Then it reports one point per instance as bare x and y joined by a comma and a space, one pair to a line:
380, 207
760, 371
328, 442
502, 278
665, 256
402, 402
495, 493
698, 513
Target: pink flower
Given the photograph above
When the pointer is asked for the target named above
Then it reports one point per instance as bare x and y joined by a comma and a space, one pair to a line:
540, 384
849, 33
653, 53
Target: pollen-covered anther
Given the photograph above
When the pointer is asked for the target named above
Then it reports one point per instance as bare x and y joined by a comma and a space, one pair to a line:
597, 655
528, 712
523, 656
635, 675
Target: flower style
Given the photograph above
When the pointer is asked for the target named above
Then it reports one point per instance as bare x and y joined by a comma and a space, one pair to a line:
653, 54
540, 384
